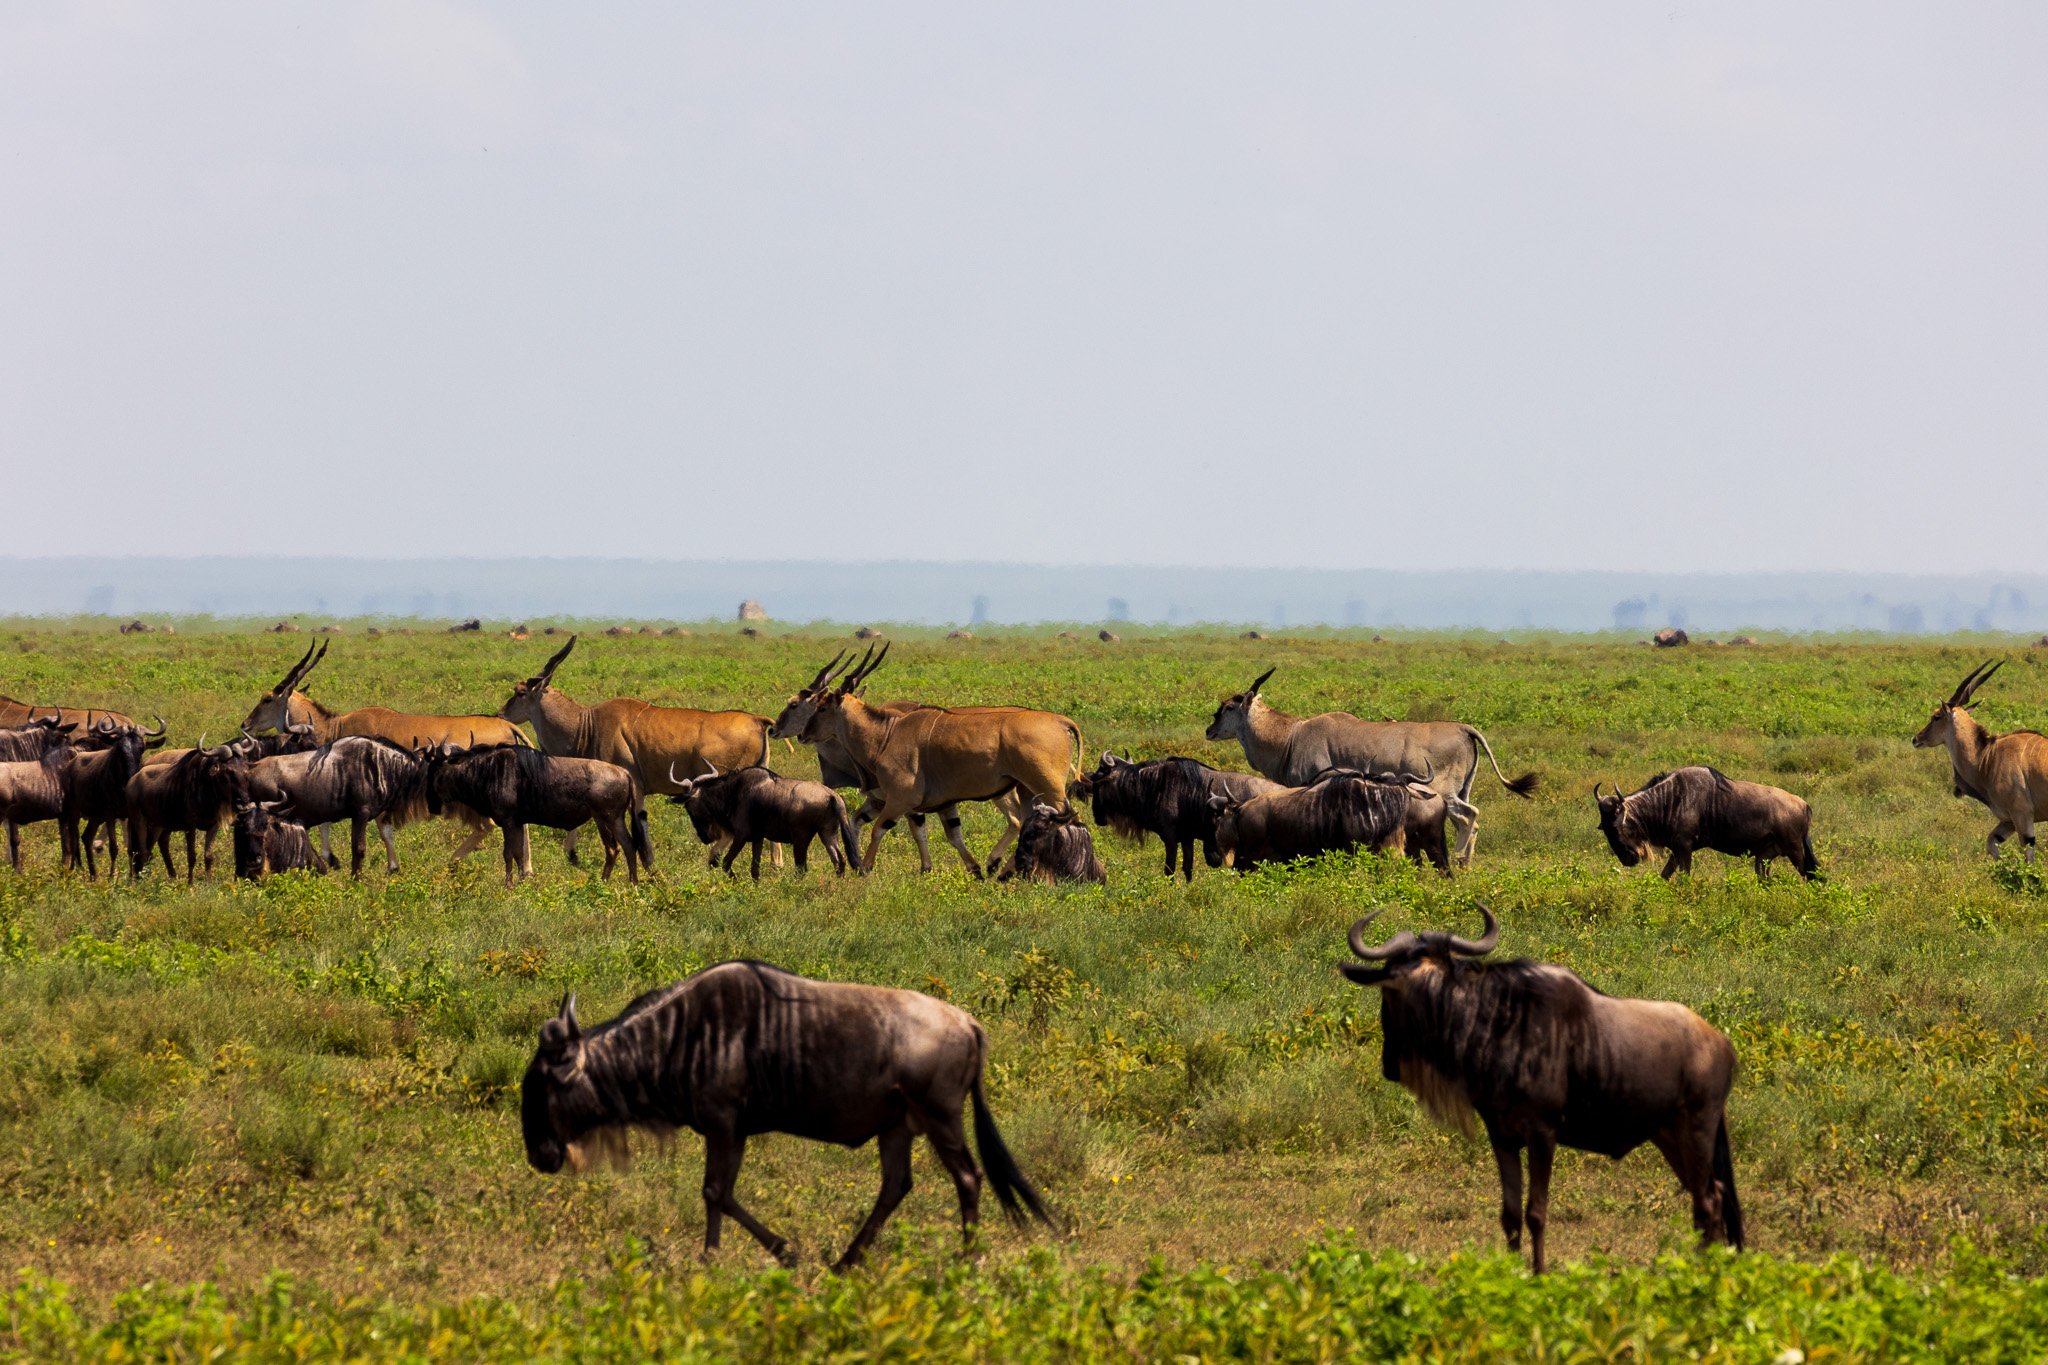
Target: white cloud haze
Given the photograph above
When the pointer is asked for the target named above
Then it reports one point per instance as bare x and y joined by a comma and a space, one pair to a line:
1611, 286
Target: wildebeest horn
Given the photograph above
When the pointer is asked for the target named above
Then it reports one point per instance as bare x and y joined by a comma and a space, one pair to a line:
1485, 942
568, 1014
1260, 682
547, 670
1398, 943
1979, 675
1429, 776
152, 734
712, 766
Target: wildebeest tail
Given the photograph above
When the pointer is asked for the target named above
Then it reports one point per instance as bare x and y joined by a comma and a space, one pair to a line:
1808, 864
1520, 786
1011, 1188
1724, 1176
846, 835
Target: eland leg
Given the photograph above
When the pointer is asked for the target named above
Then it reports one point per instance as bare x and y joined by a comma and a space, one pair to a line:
923, 838
723, 1152
893, 1143
949, 821
1999, 834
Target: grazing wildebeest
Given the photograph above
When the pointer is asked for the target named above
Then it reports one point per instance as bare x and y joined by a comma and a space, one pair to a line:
96, 789
1054, 846
753, 806
742, 1049
932, 758
2008, 773
1543, 1058
1293, 749
32, 791
359, 778
1342, 811
518, 785
32, 740
193, 794
838, 768
644, 739
1168, 797
1695, 808
285, 705
268, 839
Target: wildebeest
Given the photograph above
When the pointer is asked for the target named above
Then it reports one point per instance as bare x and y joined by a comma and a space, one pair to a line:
742, 1049
518, 785
358, 778
753, 806
269, 839
932, 758
96, 789
1694, 808
1054, 846
35, 738
193, 794
1424, 824
1344, 810
285, 705
1168, 797
32, 791
1293, 749
644, 739
2008, 773
1671, 637
1543, 1058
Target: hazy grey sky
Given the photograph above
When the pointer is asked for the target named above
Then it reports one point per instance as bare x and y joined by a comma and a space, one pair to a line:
1627, 286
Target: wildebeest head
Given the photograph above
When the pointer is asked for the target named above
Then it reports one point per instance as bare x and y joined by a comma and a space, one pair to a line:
1226, 809
1105, 771
1233, 715
524, 702
1941, 726
690, 793
1407, 952
1040, 832
125, 741
555, 1092
436, 761
1411, 971
1623, 837
273, 709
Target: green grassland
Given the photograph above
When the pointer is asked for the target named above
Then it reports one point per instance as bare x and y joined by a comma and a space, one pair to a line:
318, 1077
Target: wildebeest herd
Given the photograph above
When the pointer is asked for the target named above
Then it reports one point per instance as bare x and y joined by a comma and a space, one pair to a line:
1540, 1057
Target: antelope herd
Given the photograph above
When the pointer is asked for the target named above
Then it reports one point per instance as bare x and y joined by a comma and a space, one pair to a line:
1538, 1056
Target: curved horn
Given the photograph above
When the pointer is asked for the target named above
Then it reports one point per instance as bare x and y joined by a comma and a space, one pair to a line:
568, 1014
1397, 944
863, 669
153, 734
1429, 776
1258, 683
713, 766
1486, 941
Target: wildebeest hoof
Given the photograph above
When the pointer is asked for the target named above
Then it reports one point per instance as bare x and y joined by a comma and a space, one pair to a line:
575, 859
332, 861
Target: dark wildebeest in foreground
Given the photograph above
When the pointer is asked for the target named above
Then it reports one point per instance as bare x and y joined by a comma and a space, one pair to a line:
2008, 773
1695, 808
518, 785
1054, 846
742, 1049
96, 789
754, 806
194, 795
1342, 811
1168, 797
1293, 749
644, 739
269, 839
1543, 1058
359, 778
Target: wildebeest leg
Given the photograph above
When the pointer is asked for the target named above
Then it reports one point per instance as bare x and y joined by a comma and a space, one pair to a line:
326, 847
190, 860
1763, 867
1689, 1151
390, 849
949, 820
757, 860
569, 848
1680, 861
949, 1142
206, 852
723, 1153
894, 1145
513, 839
800, 852
14, 845
358, 844
1509, 1159
608, 835
163, 846
1542, 1151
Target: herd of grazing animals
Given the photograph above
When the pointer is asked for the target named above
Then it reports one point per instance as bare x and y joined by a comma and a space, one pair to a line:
1539, 1057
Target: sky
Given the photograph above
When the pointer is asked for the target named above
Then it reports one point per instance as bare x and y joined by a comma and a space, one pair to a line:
1650, 287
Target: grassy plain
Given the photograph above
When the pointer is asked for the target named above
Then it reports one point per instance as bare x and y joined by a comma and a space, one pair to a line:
319, 1077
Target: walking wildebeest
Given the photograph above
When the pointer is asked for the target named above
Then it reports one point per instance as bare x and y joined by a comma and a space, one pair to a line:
1694, 808
32, 791
269, 839
359, 778
1054, 846
1293, 749
1168, 797
644, 739
285, 705
742, 1049
753, 806
934, 757
1543, 1058
1342, 811
2008, 773
518, 785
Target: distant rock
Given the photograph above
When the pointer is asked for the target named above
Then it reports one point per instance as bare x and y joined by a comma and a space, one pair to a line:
867, 633
750, 610
1108, 637
1066, 635
519, 632
331, 628
959, 635
675, 630
1671, 637
1742, 639
649, 630
616, 631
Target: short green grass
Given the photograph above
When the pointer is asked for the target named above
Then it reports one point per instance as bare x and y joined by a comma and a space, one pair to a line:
319, 1077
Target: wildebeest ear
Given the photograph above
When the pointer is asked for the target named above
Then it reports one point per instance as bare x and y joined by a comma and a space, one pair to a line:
1219, 804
